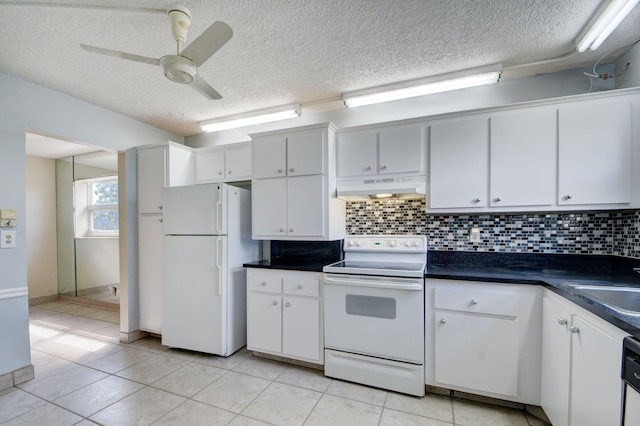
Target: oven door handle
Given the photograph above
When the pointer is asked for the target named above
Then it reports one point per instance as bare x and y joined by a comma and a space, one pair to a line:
372, 284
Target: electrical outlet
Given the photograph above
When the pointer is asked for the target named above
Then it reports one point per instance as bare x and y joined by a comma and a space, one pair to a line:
7, 239
474, 235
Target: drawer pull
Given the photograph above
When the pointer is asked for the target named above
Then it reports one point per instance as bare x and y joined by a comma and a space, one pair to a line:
474, 302
263, 283
299, 286
574, 329
288, 304
562, 321
443, 321
275, 302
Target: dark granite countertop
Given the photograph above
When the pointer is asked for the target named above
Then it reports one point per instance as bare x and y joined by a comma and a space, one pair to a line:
290, 265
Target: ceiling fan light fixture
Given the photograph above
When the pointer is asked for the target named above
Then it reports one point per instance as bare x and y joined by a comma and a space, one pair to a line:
251, 118
178, 69
608, 21
180, 21
424, 86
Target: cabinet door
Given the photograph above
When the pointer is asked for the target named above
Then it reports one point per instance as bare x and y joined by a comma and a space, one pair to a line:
476, 352
180, 170
238, 163
269, 156
209, 165
264, 322
595, 375
306, 152
594, 163
401, 150
301, 328
150, 236
306, 206
556, 362
357, 154
523, 158
459, 164
269, 208
152, 167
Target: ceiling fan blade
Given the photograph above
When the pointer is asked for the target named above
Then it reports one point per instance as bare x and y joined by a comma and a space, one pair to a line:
203, 87
208, 43
118, 54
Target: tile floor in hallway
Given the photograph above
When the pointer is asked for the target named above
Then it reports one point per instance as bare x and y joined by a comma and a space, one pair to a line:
84, 376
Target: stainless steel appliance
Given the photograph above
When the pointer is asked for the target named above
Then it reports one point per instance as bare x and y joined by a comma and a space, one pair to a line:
631, 382
374, 313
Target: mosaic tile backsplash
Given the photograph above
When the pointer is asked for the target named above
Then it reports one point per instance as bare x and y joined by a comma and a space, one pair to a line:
614, 233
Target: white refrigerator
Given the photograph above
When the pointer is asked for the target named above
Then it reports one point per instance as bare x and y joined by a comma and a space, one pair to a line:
207, 239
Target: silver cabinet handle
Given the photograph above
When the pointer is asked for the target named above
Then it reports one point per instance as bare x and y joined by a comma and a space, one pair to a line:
562, 321
574, 329
220, 173
159, 207
287, 304
368, 168
275, 302
160, 220
263, 283
292, 169
568, 197
384, 167
290, 229
474, 302
281, 229
279, 170
476, 200
497, 200
229, 172
443, 321
299, 286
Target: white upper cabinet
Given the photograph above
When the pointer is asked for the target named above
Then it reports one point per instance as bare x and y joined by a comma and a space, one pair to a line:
392, 150
293, 186
160, 166
595, 153
223, 164
459, 161
523, 158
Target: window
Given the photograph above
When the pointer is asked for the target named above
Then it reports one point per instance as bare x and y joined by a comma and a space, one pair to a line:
103, 207
96, 203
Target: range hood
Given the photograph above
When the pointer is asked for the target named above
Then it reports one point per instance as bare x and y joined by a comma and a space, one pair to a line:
380, 188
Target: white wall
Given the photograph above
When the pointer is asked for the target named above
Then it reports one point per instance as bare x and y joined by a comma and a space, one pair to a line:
97, 262
632, 77
565, 83
28, 107
40, 212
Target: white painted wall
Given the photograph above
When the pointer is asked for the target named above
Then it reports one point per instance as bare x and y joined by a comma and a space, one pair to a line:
632, 77
565, 83
28, 107
40, 212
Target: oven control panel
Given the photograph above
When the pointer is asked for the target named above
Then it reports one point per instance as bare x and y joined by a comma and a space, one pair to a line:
386, 243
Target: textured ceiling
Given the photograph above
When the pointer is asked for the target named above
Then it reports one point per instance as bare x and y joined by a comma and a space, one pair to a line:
285, 51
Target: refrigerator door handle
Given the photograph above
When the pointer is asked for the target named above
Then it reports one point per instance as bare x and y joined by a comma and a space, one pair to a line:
219, 211
219, 263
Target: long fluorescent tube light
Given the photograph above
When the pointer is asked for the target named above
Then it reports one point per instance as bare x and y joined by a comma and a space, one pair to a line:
425, 86
251, 118
605, 24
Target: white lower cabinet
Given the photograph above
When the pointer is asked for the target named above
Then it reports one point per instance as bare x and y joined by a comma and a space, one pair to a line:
484, 338
581, 362
284, 314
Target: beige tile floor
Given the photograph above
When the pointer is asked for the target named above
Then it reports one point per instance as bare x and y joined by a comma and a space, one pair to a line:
84, 376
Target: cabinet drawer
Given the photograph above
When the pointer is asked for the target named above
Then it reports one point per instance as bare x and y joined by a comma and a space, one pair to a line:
302, 285
482, 301
264, 280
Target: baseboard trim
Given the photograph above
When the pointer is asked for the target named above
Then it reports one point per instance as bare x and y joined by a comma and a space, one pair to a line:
16, 377
43, 299
10, 293
132, 336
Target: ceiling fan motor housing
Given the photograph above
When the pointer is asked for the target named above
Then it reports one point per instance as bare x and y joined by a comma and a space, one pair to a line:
178, 69
180, 21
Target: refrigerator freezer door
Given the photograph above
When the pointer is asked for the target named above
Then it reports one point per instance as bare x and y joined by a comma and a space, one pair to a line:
194, 210
194, 316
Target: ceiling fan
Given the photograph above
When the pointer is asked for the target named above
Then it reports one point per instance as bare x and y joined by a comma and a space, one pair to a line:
183, 66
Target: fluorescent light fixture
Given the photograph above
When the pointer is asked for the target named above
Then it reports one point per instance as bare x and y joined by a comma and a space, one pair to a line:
251, 118
605, 24
425, 86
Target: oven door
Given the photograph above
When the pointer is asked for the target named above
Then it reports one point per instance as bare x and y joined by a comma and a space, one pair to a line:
377, 316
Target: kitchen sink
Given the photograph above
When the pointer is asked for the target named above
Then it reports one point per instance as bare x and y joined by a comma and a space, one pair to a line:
621, 299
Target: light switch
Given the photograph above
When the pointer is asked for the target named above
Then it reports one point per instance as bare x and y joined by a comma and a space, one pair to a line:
7, 239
